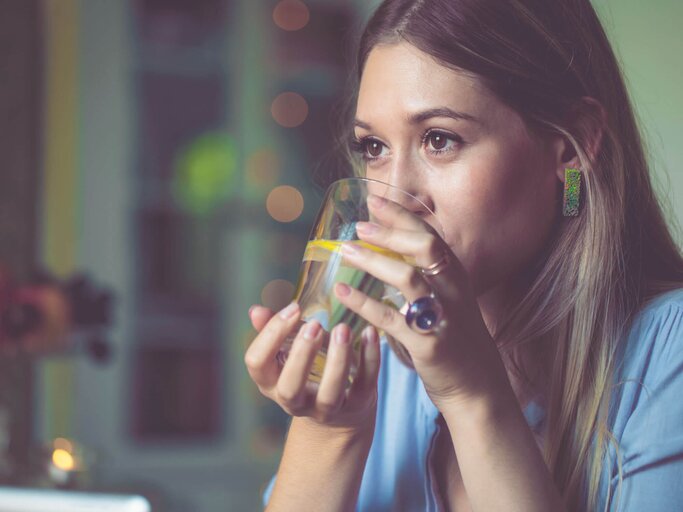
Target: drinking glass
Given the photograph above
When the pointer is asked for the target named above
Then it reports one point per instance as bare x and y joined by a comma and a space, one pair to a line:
344, 204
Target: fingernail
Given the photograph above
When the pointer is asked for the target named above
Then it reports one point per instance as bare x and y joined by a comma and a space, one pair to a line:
289, 311
251, 309
341, 335
367, 228
369, 336
311, 331
349, 249
343, 289
376, 201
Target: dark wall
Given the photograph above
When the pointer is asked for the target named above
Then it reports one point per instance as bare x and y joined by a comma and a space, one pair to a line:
20, 161
20, 107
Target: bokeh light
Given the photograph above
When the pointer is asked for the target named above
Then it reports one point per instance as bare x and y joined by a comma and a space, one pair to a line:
285, 203
277, 294
291, 15
205, 173
262, 168
63, 444
289, 109
63, 460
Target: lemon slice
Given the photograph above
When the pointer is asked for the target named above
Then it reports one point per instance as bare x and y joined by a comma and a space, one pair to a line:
320, 250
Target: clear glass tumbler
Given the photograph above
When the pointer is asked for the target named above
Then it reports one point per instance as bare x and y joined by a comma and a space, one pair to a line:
344, 204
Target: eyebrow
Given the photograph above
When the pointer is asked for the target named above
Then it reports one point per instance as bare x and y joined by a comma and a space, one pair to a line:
423, 115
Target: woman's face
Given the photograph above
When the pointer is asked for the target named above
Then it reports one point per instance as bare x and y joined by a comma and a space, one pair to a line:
438, 134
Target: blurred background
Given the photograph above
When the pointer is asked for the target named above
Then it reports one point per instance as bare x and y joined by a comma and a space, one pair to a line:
162, 161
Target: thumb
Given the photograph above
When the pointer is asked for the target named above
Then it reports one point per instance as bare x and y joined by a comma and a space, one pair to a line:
368, 368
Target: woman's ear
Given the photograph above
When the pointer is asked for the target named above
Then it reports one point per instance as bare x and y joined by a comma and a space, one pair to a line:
587, 120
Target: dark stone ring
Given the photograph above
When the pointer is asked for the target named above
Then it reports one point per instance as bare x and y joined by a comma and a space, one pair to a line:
424, 314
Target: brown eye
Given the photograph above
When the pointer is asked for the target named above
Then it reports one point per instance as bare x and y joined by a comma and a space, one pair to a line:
373, 148
438, 140
368, 148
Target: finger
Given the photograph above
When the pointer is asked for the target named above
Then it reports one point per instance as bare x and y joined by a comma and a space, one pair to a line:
380, 315
398, 274
392, 214
259, 316
291, 386
260, 357
336, 374
369, 364
421, 248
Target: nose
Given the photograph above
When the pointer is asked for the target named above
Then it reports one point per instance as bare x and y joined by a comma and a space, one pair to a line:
407, 173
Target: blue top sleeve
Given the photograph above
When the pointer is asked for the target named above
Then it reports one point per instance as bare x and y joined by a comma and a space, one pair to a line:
648, 412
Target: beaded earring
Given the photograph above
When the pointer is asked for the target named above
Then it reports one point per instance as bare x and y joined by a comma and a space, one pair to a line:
572, 192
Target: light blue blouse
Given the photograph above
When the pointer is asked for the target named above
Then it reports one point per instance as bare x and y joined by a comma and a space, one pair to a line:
647, 422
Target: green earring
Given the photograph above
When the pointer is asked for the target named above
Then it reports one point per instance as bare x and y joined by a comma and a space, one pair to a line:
572, 192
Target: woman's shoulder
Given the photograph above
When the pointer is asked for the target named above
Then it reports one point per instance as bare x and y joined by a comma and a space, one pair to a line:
653, 347
660, 304
646, 406
655, 339
658, 313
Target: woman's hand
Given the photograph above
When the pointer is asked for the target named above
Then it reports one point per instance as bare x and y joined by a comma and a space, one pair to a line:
329, 403
457, 362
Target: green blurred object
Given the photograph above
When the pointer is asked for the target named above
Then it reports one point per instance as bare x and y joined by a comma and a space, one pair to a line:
205, 173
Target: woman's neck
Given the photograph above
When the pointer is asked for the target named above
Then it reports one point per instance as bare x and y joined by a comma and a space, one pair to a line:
495, 305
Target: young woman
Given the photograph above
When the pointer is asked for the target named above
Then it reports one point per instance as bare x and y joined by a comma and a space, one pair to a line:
553, 379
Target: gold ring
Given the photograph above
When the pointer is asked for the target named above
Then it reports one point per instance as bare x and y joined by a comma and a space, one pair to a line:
435, 268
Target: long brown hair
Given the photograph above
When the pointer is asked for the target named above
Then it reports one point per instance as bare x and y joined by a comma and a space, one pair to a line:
541, 58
